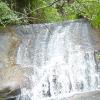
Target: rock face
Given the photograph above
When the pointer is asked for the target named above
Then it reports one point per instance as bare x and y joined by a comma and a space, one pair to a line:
9, 41
62, 56
10, 76
41, 63
96, 37
93, 95
12, 79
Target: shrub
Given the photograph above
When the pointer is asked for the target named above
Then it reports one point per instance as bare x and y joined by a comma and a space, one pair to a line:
7, 16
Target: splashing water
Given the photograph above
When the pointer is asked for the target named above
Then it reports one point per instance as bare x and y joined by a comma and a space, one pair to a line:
61, 56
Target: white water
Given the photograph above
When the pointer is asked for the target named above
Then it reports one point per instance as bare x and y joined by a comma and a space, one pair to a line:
62, 58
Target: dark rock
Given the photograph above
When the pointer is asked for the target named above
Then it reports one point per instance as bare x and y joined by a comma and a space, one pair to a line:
8, 94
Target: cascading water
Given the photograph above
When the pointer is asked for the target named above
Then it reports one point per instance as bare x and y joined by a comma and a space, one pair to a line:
62, 59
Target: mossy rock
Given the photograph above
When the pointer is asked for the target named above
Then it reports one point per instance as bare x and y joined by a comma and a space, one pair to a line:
1, 98
7, 93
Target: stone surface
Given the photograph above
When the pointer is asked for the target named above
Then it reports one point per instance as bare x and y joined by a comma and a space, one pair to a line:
94, 95
13, 77
9, 42
8, 94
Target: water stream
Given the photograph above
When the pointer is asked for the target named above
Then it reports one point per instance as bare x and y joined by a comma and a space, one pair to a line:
62, 58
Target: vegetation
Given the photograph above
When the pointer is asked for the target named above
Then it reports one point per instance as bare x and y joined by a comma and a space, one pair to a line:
1, 98
40, 11
97, 55
89, 9
7, 16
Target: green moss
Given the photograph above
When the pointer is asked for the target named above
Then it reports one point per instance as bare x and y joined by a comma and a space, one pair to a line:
1, 98
98, 56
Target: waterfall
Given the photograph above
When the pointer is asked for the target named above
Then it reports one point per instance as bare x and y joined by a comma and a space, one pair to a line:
62, 58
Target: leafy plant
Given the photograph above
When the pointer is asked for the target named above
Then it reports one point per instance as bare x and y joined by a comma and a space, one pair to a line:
7, 16
89, 9
40, 11
97, 56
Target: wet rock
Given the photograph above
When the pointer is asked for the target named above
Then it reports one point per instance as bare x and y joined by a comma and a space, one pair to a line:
7, 94
9, 41
12, 79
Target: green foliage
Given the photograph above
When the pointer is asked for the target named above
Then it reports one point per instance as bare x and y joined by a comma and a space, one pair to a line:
7, 16
97, 55
40, 11
89, 9
51, 14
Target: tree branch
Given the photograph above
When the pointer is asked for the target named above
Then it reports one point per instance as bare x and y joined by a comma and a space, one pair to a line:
46, 6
